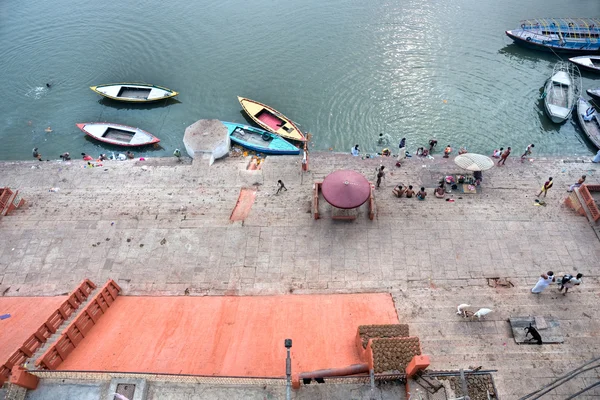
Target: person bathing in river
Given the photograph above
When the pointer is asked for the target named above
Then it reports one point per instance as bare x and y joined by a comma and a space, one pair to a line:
498, 152
432, 144
447, 151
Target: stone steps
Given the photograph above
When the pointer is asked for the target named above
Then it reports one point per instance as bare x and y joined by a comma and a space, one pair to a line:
31, 363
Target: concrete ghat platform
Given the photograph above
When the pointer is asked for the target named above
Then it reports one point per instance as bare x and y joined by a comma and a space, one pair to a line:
229, 336
166, 228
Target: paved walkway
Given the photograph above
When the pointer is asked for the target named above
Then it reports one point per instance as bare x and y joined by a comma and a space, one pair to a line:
165, 228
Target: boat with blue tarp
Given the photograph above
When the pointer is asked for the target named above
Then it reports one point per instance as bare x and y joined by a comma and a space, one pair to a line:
559, 35
259, 140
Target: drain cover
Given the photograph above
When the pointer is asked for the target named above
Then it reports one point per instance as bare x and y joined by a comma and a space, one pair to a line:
126, 390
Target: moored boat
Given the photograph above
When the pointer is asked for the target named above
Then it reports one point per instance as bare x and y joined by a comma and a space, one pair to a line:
589, 121
117, 134
271, 120
134, 92
589, 63
561, 91
559, 35
594, 93
259, 140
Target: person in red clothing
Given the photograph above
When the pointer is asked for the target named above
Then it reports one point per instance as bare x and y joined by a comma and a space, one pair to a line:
547, 185
504, 156
86, 157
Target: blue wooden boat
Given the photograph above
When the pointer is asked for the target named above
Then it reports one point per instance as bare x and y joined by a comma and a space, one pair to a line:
559, 35
259, 140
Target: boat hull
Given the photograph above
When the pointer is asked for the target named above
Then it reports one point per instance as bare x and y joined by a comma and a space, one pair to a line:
134, 92
117, 134
254, 139
553, 46
561, 91
271, 120
594, 93
590, 128
587, 63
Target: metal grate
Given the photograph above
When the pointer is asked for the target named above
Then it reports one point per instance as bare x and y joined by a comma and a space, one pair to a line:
126, 390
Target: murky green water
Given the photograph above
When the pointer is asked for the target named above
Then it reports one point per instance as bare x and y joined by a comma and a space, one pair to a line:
345, 70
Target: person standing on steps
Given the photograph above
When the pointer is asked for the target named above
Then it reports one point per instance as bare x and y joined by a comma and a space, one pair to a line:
504, 156
542, 283
402, 152
547, 185
380, 175
528, 151
568, 282
280, 185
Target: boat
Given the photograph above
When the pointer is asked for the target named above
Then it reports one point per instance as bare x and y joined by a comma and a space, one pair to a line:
271, 120
120, 135
559, 35
589, 63
134, 92
595, 94
259, 140
561, 91
589, 121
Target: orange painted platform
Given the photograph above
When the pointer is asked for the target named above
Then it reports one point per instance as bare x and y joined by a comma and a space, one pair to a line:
26, 316
229, 336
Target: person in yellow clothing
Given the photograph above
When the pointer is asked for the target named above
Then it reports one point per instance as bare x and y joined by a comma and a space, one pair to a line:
547, 185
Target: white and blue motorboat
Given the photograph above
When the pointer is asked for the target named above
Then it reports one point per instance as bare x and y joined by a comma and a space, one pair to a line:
559, 35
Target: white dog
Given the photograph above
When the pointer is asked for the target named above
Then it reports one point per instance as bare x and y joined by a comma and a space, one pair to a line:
482, 312
460, 309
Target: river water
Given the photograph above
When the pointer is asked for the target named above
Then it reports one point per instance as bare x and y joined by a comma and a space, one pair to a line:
345, 70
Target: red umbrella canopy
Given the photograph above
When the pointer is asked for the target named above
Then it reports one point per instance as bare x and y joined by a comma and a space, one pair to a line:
346, 189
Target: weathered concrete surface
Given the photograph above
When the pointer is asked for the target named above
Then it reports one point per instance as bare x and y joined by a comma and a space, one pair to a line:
169, 391
171, 231
74, 390
86, 390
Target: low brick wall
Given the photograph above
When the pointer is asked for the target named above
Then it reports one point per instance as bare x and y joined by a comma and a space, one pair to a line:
80, 327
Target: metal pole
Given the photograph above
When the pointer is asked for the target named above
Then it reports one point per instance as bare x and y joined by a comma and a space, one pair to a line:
288, 370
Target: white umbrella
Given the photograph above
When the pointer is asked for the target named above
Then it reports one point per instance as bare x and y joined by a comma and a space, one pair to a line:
474, 162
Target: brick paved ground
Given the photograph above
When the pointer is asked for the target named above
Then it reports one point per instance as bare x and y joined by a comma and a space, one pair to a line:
165, 228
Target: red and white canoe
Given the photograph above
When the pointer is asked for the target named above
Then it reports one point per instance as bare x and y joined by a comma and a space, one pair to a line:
120, 135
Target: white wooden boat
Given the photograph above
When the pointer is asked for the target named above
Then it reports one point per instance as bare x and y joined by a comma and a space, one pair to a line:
120, 135
134, 92
589, 121
589, 63
561, 91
